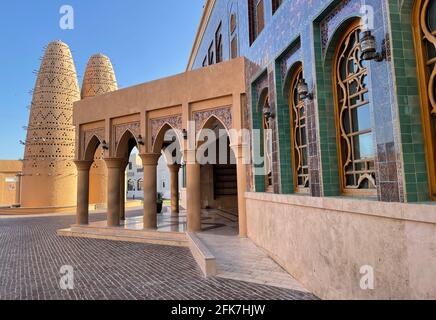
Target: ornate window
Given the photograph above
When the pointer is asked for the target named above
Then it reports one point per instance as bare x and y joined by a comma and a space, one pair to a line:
140, 185
130, 185
299, 136
256, 16
219, 44
355, 137
267, 145
425, 42
211, 55
233, 36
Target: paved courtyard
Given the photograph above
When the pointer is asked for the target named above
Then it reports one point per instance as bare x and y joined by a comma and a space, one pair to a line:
31, 256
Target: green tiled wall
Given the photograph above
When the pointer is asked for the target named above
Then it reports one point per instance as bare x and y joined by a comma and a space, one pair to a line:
326, 118
259, 180
407, 92
284, 136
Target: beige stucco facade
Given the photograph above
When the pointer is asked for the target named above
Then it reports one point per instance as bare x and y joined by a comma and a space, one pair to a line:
141, 115
324, 243
10, 181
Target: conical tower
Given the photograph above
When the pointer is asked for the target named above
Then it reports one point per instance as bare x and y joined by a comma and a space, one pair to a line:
49, 174
99, 79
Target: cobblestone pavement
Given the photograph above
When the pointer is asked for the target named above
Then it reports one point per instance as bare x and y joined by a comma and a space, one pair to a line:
31, 256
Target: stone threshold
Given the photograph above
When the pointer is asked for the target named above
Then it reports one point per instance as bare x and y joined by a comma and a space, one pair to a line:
125, 235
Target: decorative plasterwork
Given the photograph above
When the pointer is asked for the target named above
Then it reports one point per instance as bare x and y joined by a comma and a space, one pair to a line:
329, 24
119, 130
87, 135
156, 124
224, 114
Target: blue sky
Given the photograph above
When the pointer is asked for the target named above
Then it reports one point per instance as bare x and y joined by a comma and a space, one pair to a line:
145, 39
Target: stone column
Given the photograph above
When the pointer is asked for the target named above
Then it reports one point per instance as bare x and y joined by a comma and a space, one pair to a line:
123, 191
193, 191
113, 197
241, 168
18, 190
149, 162
174, 177
83, 167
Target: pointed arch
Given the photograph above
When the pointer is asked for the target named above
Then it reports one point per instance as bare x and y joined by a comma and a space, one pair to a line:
167, 131
261, 100
91, 148
337, 35
210, 124
298, 133
289, 77
126, 144
353, 120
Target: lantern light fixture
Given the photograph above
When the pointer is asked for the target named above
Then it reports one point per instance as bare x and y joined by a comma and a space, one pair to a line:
141, 140
303, 90
185, 134
368, 45
105, 145
267, 113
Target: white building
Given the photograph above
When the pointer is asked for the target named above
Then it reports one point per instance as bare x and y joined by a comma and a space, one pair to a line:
135, 178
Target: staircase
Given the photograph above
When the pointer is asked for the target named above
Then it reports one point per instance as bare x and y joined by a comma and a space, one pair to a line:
225, 180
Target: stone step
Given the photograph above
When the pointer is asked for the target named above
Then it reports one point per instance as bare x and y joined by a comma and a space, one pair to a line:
140, 236
228, 215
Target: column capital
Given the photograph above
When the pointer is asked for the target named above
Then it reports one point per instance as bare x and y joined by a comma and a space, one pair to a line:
83, 165
241, 151
113, 162
190, 156
150, 159
174, 167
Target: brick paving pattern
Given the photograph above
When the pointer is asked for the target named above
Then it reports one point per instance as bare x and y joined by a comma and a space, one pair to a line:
31, 255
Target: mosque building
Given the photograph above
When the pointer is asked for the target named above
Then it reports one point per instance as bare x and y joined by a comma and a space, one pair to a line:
340, 99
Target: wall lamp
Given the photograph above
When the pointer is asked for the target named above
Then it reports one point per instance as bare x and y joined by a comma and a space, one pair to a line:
185, 134
368, 46
303, 90
267, 113
105, 145
141, 140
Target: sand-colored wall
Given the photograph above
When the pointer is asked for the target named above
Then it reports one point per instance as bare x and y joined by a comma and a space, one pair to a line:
99, 79
49, 174
9, 183
98, 180
324, 242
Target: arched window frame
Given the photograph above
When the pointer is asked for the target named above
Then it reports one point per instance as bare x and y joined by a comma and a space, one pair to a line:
345, 138
233, 34
298, 112
424, 38
267, 144
140, 185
